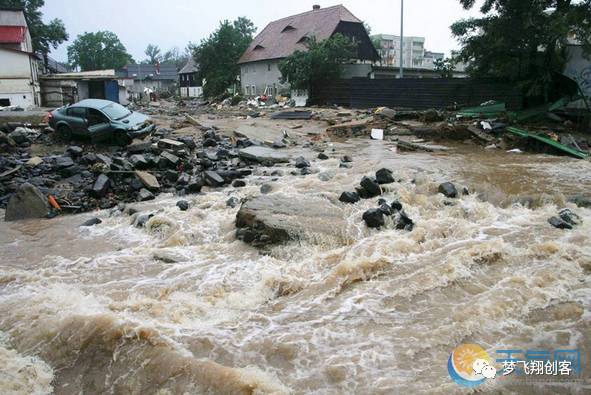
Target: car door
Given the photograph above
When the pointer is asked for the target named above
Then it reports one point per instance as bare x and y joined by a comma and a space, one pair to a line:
99, 126
77, 120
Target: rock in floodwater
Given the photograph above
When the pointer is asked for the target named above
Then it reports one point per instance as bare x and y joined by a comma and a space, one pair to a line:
402, 221
263, 154
92, 222
349, 197
569, 217
448, 190
385, 176
279, 218
374, 218
559, 223
27, 202
371, 186
183, 205
396, 205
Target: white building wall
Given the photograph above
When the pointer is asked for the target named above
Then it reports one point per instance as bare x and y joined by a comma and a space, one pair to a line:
579, 69
18, 79
255, 77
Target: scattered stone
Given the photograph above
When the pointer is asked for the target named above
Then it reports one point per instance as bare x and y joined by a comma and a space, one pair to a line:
371, 186
305, 171
138, 162
210, 142
101, 186
349, 197
168, 160
213, 179
148, 179
139, 146
448, 190
386, 209
27, 202
559, 223
144, 195
34, 161
263, 154
374, 218
92, 222
347, 159
74, 150
195, 185
63, 161
238, 183
142, 219
301, 162
170, 144
183, 205
322, 156
384, 176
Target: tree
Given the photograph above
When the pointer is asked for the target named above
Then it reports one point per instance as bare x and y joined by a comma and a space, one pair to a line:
173, 55
320, 62
98, 51
522, 41
44, 36
218, 55
445, 67
153, 53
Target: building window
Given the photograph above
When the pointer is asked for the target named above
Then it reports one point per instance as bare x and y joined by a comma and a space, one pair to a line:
247, 90
253, 90
275, 89
268, 66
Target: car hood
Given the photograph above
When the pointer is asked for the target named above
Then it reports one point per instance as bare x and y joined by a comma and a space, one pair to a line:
135, 119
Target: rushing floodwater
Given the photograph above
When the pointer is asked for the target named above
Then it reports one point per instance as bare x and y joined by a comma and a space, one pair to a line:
182, 307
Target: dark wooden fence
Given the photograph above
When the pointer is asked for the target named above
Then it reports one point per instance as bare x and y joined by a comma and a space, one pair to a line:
415, 93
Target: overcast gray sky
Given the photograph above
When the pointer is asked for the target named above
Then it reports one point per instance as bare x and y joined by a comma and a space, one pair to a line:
174, 23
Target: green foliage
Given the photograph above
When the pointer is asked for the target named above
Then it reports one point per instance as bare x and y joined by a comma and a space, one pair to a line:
445, 67
321, 61
236, 99
43, 35
522, 41
173, 55
153, 53
217, 56
98, 51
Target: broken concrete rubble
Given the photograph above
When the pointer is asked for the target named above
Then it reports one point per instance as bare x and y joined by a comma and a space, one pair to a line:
27, 202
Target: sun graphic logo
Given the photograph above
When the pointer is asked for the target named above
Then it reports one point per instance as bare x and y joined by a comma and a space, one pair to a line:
469, 365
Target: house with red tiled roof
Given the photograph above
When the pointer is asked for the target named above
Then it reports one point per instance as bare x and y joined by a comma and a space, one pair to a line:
19, 83
259, 71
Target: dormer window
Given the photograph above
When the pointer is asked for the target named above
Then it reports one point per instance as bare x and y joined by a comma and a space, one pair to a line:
303, 40
257, 47
288, 28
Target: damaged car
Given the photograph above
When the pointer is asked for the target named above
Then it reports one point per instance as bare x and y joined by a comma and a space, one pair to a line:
101, 121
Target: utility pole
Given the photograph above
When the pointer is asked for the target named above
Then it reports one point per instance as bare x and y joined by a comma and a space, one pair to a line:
401, 74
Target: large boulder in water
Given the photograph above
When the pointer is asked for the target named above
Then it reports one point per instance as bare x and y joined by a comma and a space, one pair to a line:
263, 154
278, 218
27, 202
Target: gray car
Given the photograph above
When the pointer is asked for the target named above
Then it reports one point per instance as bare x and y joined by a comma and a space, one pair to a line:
101, 120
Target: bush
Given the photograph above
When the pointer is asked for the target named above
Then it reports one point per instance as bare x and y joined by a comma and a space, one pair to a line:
236, 99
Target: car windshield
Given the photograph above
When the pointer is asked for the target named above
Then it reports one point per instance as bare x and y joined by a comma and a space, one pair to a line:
116, 111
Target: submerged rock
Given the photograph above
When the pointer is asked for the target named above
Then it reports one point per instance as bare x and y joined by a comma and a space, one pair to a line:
402, 221
559, 223
448, 190
92, 222
569, 217
27, 202
263, 154
301, 162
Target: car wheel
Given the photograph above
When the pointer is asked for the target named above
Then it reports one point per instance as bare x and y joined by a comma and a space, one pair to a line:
121, 138
64, 132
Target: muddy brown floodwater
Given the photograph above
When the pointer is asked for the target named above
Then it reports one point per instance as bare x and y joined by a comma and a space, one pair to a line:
181, 306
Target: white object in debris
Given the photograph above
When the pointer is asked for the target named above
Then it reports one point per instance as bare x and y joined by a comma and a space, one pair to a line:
515, 151
377, 134
300, 97
486, 125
